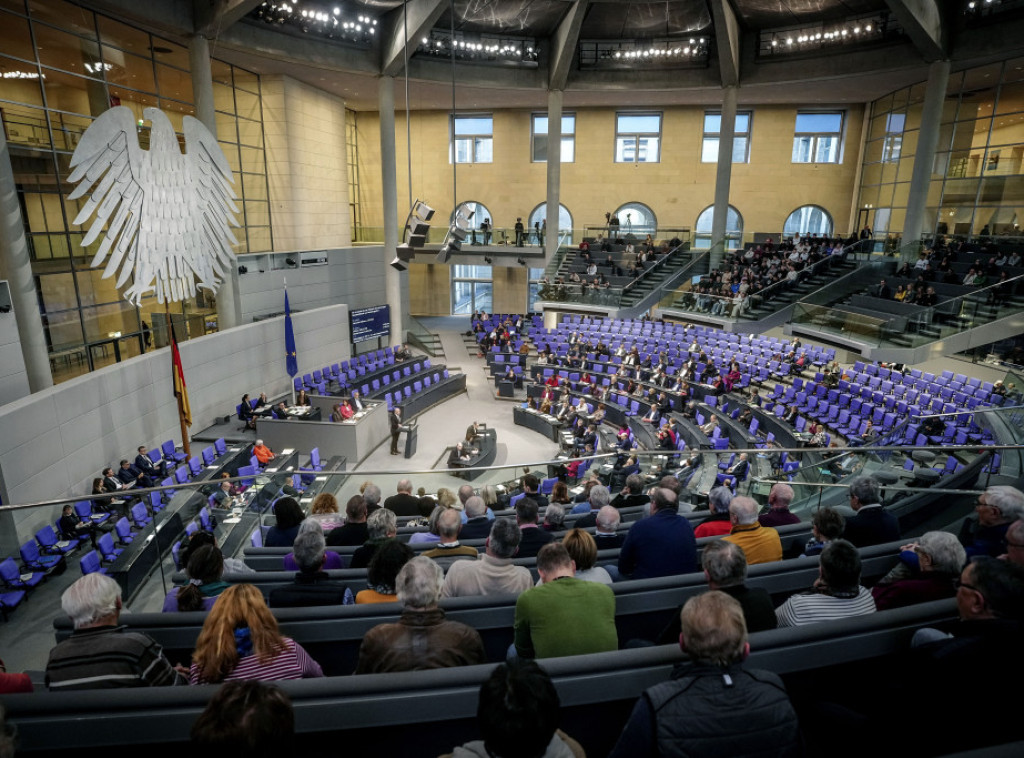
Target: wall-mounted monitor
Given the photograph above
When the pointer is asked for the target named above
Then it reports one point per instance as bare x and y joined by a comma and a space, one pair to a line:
370, 323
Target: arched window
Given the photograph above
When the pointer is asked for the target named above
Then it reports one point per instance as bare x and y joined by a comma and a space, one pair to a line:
808, 219
733, 229
538, 214
636, 218
480, 212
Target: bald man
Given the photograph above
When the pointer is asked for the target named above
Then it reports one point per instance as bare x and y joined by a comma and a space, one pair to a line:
403, 502
778, 514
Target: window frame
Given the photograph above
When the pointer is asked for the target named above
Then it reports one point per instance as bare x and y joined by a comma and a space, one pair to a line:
717, 136
816, 136
453, 151
637, 136
563, 137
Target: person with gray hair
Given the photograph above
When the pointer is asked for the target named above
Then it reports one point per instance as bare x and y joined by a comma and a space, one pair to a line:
371, 496
403, 502
718, 522
778, 514
872, 524
985, 532
760, 543
329, 560
100, 654
1015, 543
927, 570
599, 498
382, 525
449, 523
554, 518
422, 638
311, 585
494, 573
607, 534
632, 493
478, 523
725, 568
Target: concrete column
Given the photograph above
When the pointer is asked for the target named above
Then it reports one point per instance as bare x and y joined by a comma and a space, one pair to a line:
389, 184
915, 223
229, 304
554, 171
16, 267
723, 177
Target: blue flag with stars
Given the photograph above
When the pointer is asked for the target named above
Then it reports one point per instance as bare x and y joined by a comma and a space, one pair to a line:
291, 360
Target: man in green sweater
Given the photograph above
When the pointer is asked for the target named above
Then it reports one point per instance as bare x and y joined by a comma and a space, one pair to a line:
564, 615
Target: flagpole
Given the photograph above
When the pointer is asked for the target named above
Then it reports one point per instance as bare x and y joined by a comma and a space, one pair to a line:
284, 279
181, 413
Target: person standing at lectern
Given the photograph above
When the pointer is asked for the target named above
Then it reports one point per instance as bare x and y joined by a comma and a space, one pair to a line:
396, 428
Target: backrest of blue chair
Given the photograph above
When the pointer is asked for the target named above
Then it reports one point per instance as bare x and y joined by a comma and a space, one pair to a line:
139, 512
122, 527
84, 509
9, 570
106, 543
181, 474
90, 562
208, 455
256, 538
220, 446
154, 455
247, 471
46, 536
195, 466
314, 456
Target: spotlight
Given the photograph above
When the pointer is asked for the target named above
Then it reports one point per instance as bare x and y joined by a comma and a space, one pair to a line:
290, 262
458, 230
488, 260
243, 270
416, 228
521, 261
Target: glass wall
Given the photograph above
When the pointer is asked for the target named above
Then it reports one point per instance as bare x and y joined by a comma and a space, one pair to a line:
61, 66
977, 184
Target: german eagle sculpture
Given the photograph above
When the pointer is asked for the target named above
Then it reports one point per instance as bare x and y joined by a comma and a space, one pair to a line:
165, 217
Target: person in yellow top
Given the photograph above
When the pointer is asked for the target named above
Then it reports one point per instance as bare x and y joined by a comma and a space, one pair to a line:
760, 543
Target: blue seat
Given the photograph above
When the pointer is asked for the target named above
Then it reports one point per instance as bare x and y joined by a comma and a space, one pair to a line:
84, 510
50, 544
13, 578
181, 474
105, 544
220, 446
140, 516
195, 466
171, 454
209, 456
124, 531
33, 559
90, 563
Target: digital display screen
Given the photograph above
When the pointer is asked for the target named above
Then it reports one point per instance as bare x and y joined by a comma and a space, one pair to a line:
370, 323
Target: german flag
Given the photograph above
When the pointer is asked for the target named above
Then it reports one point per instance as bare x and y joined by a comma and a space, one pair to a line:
178, 374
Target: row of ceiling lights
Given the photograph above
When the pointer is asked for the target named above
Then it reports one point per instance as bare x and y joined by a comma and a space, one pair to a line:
483, 48
331, 22
855, 32
641, 52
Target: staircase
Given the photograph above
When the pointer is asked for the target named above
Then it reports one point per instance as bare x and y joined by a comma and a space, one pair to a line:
786, 296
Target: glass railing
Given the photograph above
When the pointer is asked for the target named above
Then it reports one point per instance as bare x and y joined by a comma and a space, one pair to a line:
913, 329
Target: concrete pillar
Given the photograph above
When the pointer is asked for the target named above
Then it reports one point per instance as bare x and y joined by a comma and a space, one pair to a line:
554, 171
229, 303
389, 185
723, 177
915, 223
16, 267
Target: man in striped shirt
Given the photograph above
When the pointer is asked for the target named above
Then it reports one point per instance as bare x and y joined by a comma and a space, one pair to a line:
836, 594
101, 654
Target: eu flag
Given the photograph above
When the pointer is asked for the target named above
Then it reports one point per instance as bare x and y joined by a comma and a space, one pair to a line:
291, 360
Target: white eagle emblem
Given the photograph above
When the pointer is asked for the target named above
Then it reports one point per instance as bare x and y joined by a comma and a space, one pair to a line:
166, 217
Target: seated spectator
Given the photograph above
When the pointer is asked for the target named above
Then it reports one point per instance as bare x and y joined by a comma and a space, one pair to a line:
712, 705
719, 522
312, 585
532, 537
760, 543
325, 511
288, 515
554, 518
928, 570
448, 549
263, 453
145, 464
240, 640
131, 476
222, 495
518, 716
204, 570
100, 653
493, 573
583, 550
355, 531
562, 602
382, 572
422, 638
71, 527
779, 498
332, 560
661, 544
244, 718
997, 508
872, 524
836, 594
827, 524
432, 534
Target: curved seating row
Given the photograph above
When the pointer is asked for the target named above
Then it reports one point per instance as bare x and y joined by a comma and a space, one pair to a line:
435, 710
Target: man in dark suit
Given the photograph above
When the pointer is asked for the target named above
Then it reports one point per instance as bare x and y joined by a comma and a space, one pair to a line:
144, 464
395, 417
312, 585
737, 469
872, 525
606, 535
355, 531
534, 538
661, 544
131, 476
403, 502
477, 526
530, 486
883, 291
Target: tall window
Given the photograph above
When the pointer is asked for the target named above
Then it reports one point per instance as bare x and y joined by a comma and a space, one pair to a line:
818, 137
481, 214
540, 138
539, 214
636, 218
733, 229
808, 219
473, 139
472, 287
893, 143
637, 137
712, 134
